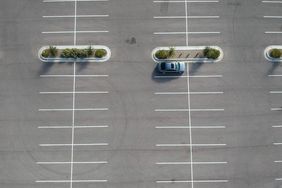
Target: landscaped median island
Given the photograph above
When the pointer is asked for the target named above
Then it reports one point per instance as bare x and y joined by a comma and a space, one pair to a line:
194, 54
273, 53
78, 53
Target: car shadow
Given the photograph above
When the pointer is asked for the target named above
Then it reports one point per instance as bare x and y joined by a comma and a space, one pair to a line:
195, 67
274, 65
159, 77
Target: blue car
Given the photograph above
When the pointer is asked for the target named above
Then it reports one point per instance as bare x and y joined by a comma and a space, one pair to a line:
173, 67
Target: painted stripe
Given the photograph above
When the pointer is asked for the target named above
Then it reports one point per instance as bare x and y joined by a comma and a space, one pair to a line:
70, 109
275, 75
276, 109
277, 126
68, 162
271, 1
59, 1
188, 163
192, 127
275, 92
78, 16
77, 92
272, 17
58, 145
273, 32
71, 32
186, 93
70, 76
68, 181
184, 17
182, 1
194, 145
189, 181
76, 127
183, 33
192, 110
192, 76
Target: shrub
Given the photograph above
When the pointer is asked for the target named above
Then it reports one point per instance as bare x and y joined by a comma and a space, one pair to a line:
162, 54
211, 53
171, 52
89, 51
81, 53
275, 53
53, 51
45, 53
100, 53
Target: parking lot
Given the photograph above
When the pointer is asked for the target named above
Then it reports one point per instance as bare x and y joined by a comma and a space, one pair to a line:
122, 124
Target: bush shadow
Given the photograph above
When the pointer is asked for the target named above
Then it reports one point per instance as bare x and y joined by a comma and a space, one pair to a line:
82, 65
45, 67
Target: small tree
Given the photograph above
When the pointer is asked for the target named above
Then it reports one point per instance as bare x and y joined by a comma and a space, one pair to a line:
162, 54
275, 53
53, 51
89, 51
171, 52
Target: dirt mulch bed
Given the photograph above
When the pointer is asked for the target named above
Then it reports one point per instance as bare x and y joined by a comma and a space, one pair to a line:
187, 54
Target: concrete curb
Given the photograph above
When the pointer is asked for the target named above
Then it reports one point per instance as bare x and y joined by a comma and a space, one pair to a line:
267, 55
65, 60
188, 60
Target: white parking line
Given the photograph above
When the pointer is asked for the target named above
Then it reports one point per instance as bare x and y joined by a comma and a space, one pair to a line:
59, 145
77, 92
189, 181
273, 32
183, 17
69, 181
70, 109
275, 92
188, 163
278, 179
186, 93
182, 1
183, 33
68, 162
78, 16
276, 109
71, 32
272, 17
194, 145
192, 110
275, 75
192, 127
271, 1
277, 126
71, 76
59, 1
191, 76
76, 127
278, 161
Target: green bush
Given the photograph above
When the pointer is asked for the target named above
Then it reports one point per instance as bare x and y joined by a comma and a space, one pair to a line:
275, 53
171, 52
45, 53
53, 51
100, 53
89, 51
211, 53
74, 53
162, 54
